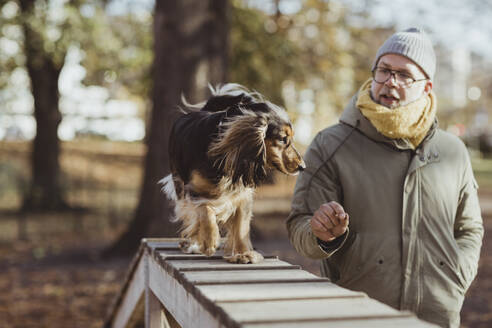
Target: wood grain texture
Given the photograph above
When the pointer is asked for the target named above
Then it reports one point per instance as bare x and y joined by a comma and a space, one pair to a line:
275, 291
221, 264
247, 276
401, 322
185, 308
131, 297
308, 310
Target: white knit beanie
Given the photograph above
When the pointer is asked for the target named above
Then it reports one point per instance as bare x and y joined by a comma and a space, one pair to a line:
414, 44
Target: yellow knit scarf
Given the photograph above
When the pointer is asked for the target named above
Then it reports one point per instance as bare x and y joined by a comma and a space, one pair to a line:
410, 122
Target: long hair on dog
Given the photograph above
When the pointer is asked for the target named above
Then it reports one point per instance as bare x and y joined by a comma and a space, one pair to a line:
219, 152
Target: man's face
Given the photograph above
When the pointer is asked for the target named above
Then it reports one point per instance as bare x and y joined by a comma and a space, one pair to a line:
393, 94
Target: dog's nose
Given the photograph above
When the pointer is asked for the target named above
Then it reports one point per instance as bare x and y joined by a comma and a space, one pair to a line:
301, 166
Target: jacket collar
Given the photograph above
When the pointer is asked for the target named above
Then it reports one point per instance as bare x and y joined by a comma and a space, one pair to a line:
352, 116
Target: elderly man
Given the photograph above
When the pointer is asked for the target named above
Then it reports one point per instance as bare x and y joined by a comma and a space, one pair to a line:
388, 201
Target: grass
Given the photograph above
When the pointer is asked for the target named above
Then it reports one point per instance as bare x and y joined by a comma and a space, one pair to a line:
482, 167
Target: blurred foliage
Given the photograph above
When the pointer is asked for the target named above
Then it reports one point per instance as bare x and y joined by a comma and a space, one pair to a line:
313, 54
117, 49
10, 36
55, 24
314, 48
258, 59
280, 55
118, 52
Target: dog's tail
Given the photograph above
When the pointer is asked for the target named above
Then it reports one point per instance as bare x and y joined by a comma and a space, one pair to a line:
228, 89
168, 187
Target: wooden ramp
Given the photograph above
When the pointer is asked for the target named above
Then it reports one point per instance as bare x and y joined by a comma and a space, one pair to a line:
166, 288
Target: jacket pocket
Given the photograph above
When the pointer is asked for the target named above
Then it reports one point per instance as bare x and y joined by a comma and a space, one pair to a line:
450, 262
349, 258
452, 273
463, 271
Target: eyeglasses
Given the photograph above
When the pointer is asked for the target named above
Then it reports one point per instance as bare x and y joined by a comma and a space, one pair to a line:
381, 75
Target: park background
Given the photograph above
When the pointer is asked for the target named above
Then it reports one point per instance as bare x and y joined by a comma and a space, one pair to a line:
89, 89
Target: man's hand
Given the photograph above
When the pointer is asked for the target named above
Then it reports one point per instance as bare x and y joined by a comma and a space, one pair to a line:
329, 221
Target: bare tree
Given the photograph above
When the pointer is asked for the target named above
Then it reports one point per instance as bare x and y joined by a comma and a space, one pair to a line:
190, 50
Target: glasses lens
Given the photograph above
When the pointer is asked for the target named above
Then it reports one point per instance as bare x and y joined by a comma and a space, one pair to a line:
403, 79
381, 75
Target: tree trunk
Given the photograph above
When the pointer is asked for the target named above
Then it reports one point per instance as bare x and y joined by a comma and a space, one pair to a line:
190, 50
44, 192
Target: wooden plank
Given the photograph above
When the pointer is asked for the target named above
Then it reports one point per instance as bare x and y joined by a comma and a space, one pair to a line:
248, 276
159, 316
131, 297
158, 240
156, 316
275, 291
156, 245
170, 252
221, 264
137, 318
307, 310
169, 320
161, 242
163, 245
401, 322
116, 304
179, 255
183, 306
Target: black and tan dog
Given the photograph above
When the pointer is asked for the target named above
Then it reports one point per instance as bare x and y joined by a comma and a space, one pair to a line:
218, 155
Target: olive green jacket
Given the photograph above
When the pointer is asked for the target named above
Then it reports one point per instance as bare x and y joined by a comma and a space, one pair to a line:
415, 228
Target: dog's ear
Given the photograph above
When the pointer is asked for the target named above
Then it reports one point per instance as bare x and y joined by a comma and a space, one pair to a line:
239, 151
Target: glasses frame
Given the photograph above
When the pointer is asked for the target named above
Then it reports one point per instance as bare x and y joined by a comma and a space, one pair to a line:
392, 74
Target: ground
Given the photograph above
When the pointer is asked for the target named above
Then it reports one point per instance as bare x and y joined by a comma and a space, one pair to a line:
52, 275
59, 280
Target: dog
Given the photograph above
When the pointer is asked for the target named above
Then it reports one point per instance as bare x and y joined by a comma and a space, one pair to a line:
219, 152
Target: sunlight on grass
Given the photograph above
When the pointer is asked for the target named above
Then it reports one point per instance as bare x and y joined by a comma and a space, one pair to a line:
482, 167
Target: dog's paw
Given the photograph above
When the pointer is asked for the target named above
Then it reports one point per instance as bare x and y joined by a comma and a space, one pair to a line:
189, 247
208, 247
246, 257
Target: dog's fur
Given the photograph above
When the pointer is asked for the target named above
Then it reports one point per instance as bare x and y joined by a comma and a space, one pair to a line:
218, 155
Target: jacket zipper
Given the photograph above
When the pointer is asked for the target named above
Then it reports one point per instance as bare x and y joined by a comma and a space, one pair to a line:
419, 244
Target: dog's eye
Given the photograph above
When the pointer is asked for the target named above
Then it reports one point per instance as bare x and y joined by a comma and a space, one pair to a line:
285, 140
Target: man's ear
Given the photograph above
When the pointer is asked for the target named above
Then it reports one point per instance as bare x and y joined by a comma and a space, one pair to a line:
428, 86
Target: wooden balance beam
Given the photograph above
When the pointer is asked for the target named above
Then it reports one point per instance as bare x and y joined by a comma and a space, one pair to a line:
167, 288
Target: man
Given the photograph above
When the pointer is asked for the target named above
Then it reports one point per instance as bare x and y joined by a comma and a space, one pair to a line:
388, 201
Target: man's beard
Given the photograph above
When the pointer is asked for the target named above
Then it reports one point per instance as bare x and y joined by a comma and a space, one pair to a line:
388, 98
